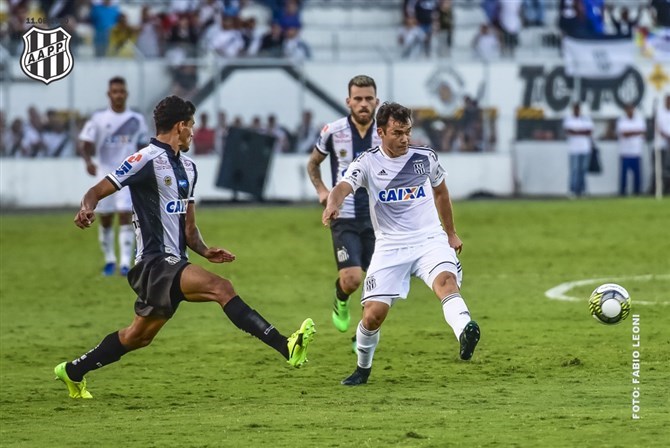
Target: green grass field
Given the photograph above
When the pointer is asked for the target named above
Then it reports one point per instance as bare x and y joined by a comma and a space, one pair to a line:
545, 373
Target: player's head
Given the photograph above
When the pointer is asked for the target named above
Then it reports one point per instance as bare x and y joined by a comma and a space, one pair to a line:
117, 93
362, 99
174, 115
576, 109
630, 110
394, 126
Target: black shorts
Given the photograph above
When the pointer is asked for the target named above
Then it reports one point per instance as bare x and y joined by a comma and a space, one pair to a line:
156, 282
353, 242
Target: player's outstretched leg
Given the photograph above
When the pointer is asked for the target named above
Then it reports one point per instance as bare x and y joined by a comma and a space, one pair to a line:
299, 341
340, 315
77, 389
469, 338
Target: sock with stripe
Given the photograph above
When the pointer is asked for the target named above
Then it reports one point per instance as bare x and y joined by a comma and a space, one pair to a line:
366, 342
456, 312
249, 320
107, 352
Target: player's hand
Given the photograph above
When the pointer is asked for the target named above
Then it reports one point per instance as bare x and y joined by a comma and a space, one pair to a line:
329, 213
91, 168
218, 255
323, 197
455, 242
84, 218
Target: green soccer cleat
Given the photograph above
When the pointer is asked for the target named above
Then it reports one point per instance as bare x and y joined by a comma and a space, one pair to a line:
298, 343
76, 389
341, 315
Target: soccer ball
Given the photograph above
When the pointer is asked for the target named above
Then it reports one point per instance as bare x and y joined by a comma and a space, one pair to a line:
609, 303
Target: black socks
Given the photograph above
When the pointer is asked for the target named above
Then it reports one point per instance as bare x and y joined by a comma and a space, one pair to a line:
249, 320
108, 351
341, 295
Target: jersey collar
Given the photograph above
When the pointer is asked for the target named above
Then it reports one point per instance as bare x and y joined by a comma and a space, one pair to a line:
166, 147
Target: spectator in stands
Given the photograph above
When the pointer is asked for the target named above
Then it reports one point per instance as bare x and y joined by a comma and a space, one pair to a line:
59, 9
251, 36
412, 39
256, 124
209, 13
578, 129
56, 141
510, 25
122, 38
150, 37
533, 12
239, 123
594, 11
23, 141
18, 25
272, 43
290, 16
203, 136
471, 126
660, 11
295, 48
103, 17
306, 133
445, 27
228, 41
5, 135
631, 129
221, 132
624, 25
184, 35
281, 136
232, 7
425, 12
486, 44
572, 18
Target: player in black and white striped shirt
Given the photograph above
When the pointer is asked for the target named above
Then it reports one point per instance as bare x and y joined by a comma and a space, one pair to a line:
162, 181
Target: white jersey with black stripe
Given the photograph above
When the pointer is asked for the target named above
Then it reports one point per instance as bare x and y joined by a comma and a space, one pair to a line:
400, 189
161, 185
341, 141
116, 135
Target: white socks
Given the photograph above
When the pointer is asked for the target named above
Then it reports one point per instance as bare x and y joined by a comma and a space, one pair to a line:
126, 240
455, 312
366, 343
106, 239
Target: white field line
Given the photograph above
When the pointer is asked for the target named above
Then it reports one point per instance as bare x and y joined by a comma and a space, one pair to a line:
559, 292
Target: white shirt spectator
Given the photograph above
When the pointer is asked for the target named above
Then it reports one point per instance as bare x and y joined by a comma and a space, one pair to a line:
578, 144
510, 16
227, 43
412, 41
487, 45
663, 127
631, 146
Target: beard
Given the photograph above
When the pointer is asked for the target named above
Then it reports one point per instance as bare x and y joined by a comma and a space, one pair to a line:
364, 120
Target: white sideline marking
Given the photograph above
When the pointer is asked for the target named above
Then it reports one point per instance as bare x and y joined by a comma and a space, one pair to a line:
560, 292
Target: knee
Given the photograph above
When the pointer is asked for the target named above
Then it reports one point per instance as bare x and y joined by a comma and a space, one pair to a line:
372, 322
445, 283
223, 290
350, 282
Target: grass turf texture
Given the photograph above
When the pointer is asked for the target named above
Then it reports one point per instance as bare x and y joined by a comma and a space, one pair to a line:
544, 374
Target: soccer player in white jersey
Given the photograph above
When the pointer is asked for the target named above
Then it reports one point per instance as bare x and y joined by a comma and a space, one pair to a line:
162, 183
408, 199
113, 134
352, 232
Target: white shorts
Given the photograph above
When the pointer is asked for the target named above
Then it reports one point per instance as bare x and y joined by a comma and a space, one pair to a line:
388, 276
116, 202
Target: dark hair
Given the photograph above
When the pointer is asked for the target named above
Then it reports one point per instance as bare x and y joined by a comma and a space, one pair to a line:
170, 111
117, 80
362, 81
394, 111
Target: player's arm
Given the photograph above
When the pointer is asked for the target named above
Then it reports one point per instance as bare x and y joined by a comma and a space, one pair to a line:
445, 211
87, 150
197, 244
314, 172
86, 214
335, 200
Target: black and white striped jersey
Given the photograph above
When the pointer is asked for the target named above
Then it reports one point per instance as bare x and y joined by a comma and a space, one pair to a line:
341, 140
161, 186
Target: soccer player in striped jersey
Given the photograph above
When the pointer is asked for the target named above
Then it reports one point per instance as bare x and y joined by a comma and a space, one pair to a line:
413, 221
113, 134
162, 182
352, 233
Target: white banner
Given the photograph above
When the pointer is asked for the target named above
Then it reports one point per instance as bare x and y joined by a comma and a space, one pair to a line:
659, 45
597, 59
